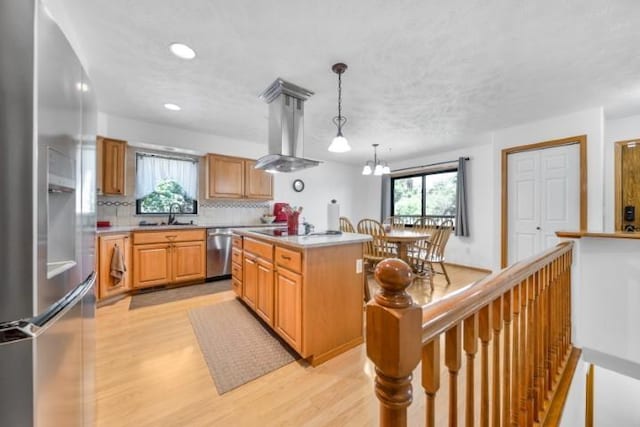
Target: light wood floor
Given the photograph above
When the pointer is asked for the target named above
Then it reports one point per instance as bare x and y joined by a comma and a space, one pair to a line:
150, 372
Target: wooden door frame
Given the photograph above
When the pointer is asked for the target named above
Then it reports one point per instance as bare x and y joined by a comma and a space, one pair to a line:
581, 140
617, 188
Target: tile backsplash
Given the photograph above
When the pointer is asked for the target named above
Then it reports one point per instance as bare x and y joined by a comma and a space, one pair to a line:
121, 211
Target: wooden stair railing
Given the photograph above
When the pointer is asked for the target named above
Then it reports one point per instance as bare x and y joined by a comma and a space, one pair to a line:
518, 320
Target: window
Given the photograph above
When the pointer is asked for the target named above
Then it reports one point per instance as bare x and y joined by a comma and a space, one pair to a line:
163, 182
427, 194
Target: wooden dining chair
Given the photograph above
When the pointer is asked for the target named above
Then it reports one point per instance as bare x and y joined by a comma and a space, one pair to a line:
395, 222
346, 226
377, 249
439, 243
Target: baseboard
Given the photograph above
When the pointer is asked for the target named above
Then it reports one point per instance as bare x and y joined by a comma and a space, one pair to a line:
319, 359
483, 270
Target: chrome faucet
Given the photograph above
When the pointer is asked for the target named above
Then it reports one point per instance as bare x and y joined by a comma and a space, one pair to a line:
172, 216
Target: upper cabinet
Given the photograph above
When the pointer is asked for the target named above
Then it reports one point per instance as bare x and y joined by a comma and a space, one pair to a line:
258, 184
236, 178
111, 166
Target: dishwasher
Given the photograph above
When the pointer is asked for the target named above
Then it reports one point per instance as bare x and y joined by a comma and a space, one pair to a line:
219, 253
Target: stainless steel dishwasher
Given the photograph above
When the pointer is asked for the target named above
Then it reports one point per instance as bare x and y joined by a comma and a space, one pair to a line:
218, 253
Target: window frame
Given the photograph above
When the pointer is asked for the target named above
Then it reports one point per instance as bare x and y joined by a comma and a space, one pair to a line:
423, 197
186, 158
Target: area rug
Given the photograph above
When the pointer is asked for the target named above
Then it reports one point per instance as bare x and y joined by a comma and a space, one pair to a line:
163, 296
237, 347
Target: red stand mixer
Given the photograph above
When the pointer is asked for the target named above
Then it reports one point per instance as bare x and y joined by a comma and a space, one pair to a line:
279, 211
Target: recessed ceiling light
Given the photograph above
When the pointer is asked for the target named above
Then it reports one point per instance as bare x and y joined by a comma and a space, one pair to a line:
182, 51
172, 107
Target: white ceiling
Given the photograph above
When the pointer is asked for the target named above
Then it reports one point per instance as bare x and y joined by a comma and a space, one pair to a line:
423, 75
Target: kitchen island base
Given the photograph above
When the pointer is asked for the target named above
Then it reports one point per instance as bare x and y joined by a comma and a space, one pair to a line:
309, 291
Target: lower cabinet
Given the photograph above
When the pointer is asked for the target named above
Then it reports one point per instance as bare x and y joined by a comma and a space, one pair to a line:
107, 284
250, 280
288, 305
161, 258
152, 264
264, 306
188, 261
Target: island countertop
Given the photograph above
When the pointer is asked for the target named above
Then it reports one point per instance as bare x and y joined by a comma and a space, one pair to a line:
313, 240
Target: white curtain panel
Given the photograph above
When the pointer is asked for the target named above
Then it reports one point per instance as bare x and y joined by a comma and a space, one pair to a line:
151, 170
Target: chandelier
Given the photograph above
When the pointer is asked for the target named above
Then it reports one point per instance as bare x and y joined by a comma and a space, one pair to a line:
339, 143
377, 166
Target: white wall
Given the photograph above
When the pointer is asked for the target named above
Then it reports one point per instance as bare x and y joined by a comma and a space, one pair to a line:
358, 196
615, 130
476, 249
588, 122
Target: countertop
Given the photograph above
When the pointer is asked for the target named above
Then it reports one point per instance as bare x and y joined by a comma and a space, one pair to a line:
307, 241
131, 228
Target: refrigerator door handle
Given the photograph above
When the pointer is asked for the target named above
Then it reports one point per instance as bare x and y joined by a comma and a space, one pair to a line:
30, 328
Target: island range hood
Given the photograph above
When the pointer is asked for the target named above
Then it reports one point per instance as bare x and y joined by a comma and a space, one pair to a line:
286, 128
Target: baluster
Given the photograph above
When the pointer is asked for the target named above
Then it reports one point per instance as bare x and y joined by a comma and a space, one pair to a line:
515, 388
506, 377
539, 366
470, 345
531, 347
548, 331
431, 377
393, 319
524, 356
453, 361
484, 326
570, 261
496, 322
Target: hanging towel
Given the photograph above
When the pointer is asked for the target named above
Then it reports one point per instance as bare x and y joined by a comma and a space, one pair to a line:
118, 268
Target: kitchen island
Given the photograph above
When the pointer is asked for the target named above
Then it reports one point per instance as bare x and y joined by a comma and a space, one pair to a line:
308, 289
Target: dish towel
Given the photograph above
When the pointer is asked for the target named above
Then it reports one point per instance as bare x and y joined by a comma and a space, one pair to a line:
118, 268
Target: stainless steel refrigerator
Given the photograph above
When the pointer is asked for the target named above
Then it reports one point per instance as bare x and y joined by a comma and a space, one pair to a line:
47, 223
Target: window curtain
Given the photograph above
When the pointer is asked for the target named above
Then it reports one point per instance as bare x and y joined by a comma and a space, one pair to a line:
151, 170
385, 207
462, 220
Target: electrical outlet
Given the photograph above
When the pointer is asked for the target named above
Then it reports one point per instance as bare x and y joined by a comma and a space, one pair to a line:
359, 266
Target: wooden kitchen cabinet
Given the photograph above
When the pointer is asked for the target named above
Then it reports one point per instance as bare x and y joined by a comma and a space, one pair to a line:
258, 184
225, 177
188, 261
107, 284
250, 280
152, 264
265, 284
167, 257
288, 305
112, 169
235, 178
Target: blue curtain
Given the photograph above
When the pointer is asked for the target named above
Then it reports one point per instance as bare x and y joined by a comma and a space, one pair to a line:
462, 219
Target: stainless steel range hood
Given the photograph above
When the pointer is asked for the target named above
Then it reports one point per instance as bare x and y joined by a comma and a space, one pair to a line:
286, 128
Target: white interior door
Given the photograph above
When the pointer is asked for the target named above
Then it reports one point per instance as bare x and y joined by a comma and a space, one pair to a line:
543, 197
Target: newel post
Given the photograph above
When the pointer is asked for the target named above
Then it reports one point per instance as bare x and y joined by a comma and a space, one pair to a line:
394, 340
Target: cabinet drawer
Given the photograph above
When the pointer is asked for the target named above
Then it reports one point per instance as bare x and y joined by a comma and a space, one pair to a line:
289, 259
237, 242
236, 255
144, 237
236, 271
260, 249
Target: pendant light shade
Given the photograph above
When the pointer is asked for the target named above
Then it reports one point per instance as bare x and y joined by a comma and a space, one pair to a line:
376, 167
339, 143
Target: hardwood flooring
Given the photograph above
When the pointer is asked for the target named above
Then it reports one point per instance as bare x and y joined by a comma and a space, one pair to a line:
150, 372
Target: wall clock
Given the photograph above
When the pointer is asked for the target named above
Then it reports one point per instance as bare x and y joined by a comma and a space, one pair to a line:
298, 185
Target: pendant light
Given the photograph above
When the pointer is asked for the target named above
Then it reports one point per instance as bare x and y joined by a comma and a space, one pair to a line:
339, 143
376, 167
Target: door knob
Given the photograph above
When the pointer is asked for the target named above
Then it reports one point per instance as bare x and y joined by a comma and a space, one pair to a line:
538, 228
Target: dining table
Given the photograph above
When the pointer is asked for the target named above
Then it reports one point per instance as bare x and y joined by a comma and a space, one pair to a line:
403, 239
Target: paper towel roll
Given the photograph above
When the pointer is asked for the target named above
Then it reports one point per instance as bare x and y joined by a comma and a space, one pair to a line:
333, 216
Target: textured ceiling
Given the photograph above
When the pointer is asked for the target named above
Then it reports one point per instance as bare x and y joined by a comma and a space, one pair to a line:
423, 75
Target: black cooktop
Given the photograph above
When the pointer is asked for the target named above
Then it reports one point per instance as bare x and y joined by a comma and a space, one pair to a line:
283, 232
